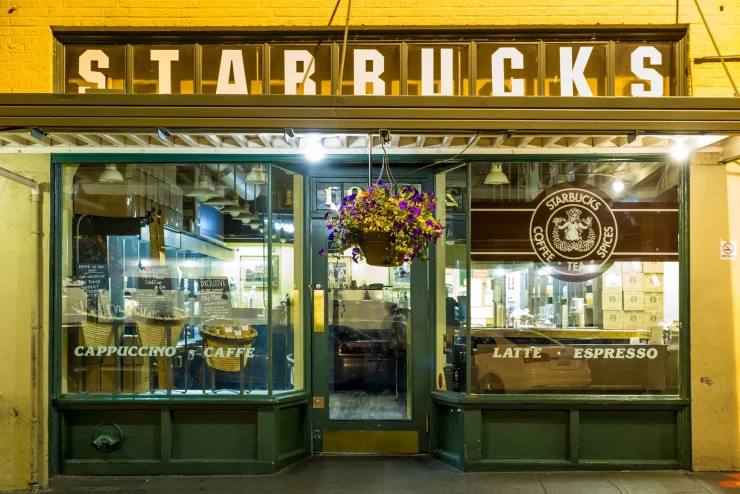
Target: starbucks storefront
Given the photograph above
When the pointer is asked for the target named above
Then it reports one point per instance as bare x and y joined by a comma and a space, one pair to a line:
196, 329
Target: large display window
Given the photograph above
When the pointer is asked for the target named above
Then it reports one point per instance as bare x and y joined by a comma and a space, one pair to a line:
182, 279
570, 283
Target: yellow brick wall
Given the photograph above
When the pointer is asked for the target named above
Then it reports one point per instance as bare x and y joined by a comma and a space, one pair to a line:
26, 39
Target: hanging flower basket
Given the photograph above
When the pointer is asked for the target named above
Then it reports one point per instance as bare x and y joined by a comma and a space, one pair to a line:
383, 228
377, 247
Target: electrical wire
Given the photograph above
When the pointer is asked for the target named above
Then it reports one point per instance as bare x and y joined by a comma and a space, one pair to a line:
716, 48
318, 45
445, 160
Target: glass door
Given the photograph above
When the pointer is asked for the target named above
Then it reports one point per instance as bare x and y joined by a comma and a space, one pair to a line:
371, 384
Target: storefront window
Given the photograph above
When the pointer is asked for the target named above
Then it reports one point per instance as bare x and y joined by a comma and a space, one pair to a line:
453, 289
575, 69
164, 69
95, 68
232, 69
575, 275
372, 69
160, 296
507, 69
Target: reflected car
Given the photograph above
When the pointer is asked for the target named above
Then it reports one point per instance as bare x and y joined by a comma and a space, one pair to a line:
498, 369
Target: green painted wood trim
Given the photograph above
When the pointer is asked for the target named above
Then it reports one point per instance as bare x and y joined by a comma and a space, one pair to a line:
452, 459
174, 467
267, 435
165, 425
561, 401
472, 435
99, 401
196, 113
684, 307
550, 465
287, 459
55, 334
574, 447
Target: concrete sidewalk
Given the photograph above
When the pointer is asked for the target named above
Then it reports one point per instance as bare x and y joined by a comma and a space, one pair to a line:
418, 474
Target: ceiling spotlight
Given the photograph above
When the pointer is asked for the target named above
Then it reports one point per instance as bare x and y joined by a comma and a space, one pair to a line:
679, 151
110, 175
618, 186
496, 176
314, 150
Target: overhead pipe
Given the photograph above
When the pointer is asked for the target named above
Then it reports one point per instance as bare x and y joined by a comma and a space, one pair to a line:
37, 438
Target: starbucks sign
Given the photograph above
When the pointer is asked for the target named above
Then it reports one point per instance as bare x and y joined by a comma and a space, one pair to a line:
574, 232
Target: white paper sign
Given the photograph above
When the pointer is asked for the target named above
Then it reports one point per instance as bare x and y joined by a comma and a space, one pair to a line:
727, 250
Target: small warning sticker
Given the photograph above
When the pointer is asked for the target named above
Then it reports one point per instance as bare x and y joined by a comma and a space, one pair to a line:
727, 250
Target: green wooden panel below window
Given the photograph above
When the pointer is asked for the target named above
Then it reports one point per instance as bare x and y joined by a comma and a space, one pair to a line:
628, 435
140, 432
291, 429
525, 434
214, 434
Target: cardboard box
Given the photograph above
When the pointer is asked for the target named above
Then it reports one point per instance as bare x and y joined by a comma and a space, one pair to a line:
653, 282
613, 319
653, 319
634, 301
612, 282
632, 267
632, 282
652, 267
611, 301
634, 319
615, 268
653, 302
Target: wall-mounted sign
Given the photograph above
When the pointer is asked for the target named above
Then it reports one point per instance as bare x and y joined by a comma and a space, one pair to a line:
574, 231
727, 250
375, 68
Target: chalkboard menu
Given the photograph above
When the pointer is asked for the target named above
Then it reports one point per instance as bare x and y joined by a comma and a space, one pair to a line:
154, 292
215, 302
94, 277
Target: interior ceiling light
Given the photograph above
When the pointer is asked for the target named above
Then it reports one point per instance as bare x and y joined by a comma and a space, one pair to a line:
203, 191
496, 176
618, 186
313, 149
110, 175
679, 151
257, 175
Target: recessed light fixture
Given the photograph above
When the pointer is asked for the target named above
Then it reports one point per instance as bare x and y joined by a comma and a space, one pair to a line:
314, 149
618, 186
679, 151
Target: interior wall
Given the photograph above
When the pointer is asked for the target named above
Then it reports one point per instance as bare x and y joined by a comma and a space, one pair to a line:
16, 302
715, 316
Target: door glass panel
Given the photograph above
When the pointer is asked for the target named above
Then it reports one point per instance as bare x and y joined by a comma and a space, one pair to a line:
369, 318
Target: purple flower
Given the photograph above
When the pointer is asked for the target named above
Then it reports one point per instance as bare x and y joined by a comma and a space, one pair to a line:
432, 206
416, 211
430, 223
321, 252
416, 234
399, 226
331, 236
328, 225
403, 204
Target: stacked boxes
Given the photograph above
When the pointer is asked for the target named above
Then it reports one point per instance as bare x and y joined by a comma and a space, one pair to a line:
632, 296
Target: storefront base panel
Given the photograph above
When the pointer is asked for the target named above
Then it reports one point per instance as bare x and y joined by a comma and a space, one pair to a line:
478, 434
188, 440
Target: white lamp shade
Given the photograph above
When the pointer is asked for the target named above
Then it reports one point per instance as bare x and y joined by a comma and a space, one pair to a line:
496, 176
110, 175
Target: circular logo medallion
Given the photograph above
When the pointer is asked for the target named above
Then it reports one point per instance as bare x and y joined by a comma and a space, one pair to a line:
574, 232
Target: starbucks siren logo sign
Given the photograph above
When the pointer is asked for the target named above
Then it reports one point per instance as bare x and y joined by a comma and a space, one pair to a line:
573, 231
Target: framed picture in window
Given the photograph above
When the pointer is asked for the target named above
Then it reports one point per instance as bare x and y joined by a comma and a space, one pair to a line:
254, 270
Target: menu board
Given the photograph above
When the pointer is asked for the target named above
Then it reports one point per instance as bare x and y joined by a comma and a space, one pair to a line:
215, 302
154, 292
94, 277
